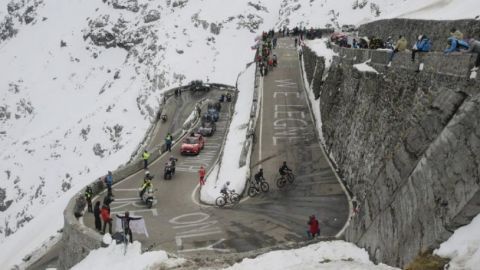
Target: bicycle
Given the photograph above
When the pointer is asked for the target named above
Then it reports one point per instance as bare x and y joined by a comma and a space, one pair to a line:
283, 179
256, 187
232, 198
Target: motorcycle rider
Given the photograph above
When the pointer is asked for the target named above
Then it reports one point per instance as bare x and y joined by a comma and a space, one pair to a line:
274, 60
147, 183
173, 160
284, 169
148, 176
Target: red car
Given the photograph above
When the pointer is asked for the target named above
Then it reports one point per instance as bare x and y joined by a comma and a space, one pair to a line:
192, 144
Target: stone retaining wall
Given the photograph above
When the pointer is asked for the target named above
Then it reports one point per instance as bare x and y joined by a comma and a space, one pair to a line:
77, 239
437, 31
407, 143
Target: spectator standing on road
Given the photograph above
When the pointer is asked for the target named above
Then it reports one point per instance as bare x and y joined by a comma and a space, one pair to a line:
202, 173
96, 214
296, 40
260, 67
126, 224
423, 44
105, 212
107, 200
313, 227
274, 42
109, 182
145, 157
300, 52
168, 142
474, 47
88, 197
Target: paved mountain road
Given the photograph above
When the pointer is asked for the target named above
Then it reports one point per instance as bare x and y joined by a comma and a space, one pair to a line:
178, 224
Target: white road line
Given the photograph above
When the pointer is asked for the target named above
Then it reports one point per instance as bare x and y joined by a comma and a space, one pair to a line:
260, 92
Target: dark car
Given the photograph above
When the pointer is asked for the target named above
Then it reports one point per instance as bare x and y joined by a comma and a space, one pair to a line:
198, 85
207, 128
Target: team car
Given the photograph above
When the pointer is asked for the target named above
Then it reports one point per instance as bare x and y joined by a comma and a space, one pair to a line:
213, 112
192, 144
207, 128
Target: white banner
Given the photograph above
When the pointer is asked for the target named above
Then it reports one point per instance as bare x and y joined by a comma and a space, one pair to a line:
137, 226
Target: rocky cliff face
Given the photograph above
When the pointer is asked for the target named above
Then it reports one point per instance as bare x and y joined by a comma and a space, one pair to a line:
407, 142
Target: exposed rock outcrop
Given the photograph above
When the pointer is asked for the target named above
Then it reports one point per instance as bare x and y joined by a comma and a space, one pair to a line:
407, 143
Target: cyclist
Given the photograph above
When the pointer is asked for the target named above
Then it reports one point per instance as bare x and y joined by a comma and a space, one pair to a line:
284, 169
126, 224
225, 189
259, 176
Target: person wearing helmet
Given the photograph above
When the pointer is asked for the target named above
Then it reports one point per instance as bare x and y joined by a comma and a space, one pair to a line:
259, 176
173, 160
284, 169
126, 224
147, 176
147, 183
224, 189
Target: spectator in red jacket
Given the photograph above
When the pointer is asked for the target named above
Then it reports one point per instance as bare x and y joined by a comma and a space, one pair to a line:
105, 213
202, 173
313, 227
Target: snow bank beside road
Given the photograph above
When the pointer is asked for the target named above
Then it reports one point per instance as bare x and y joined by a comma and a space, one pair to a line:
228, 169
324, 255
463, 247
113, 257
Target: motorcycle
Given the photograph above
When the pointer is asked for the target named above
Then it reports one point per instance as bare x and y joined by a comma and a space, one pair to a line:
147, 197
168, 171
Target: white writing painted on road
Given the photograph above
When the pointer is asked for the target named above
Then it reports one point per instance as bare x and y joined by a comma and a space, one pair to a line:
297, 94
121, 205
190, 227
286, 84
289, 125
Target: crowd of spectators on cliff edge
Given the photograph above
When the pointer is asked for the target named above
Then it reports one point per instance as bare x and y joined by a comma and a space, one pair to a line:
454, 43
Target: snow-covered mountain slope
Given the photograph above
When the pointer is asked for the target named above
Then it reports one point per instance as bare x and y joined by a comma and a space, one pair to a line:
81, 81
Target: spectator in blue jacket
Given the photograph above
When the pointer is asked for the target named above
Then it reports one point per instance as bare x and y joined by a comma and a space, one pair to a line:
423, 44
455, 45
